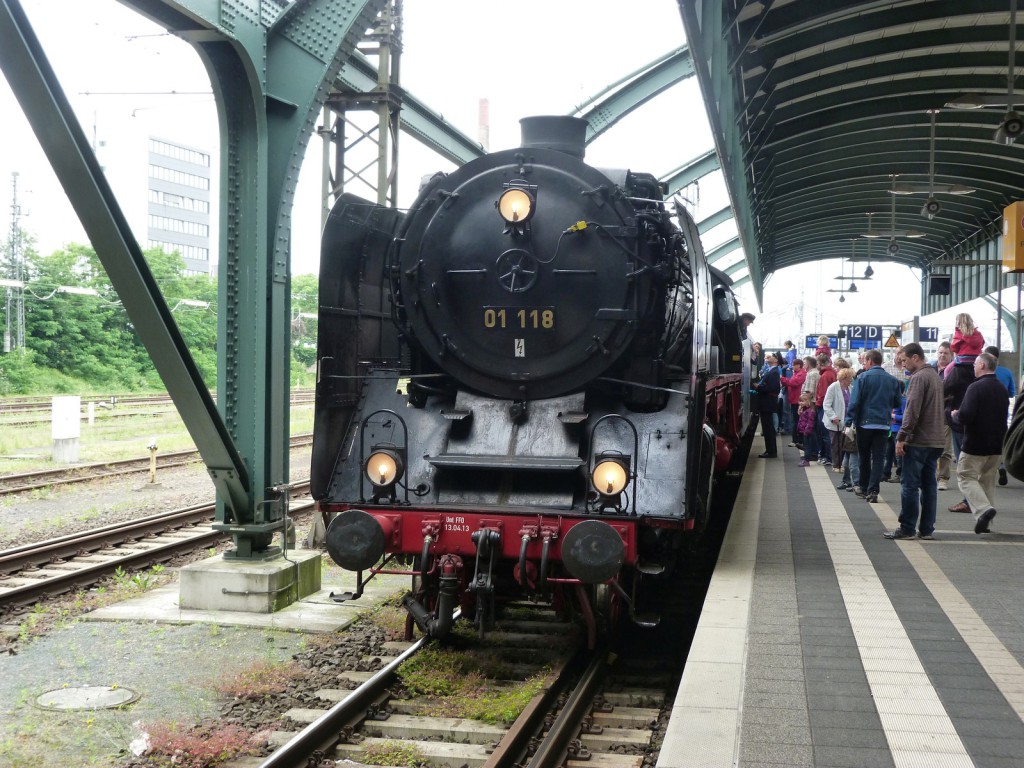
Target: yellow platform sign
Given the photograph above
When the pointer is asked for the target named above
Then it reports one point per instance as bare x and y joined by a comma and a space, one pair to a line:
892, 342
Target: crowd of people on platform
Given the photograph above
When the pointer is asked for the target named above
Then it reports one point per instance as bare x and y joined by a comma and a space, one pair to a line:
908, 420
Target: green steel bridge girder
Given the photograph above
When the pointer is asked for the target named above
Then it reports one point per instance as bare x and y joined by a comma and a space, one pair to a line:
68, 150
270, 63
620, 98
723, 250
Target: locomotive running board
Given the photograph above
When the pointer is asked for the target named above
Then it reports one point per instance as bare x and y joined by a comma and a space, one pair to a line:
486, 461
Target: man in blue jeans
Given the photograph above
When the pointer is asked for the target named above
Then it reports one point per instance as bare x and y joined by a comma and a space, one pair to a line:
875, 393
920, 442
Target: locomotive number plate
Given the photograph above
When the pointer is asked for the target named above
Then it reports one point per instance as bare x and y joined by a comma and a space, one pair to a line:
520, 318
454, 523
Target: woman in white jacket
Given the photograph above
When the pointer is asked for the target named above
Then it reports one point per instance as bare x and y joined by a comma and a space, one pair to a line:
834, 406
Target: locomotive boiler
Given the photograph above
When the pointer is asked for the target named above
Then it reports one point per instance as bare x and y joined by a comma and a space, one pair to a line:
525, 384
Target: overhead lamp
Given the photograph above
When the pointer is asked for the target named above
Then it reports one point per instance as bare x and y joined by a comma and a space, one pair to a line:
1011, 127
931, 208
972, 101
852, 288
868, 272
910, 188
1013, 124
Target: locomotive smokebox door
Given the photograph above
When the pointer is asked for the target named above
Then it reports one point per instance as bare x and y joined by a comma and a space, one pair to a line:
524, 276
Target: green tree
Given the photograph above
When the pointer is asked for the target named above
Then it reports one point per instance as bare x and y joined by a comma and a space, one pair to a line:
85, 336
304, 327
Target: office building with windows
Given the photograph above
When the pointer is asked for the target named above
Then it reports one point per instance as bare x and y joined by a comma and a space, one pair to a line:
178, 210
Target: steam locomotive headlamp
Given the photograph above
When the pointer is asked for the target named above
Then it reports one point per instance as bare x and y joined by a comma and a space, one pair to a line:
611, 474
516, 205
384, 467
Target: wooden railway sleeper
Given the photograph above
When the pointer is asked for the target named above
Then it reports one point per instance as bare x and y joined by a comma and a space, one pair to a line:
587, 725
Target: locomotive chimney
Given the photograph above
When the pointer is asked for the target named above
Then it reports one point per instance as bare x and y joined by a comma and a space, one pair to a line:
564, 134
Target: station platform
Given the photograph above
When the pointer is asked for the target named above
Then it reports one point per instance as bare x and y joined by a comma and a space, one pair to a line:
823, 644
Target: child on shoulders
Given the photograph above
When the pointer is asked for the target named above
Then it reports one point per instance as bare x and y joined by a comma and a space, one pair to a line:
823, 347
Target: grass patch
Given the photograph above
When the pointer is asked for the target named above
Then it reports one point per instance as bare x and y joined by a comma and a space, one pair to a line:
393, 753
263, 678
461, 684
201, 746
389, 617
112, 438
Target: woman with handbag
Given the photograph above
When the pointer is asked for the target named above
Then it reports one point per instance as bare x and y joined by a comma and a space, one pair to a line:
834, 405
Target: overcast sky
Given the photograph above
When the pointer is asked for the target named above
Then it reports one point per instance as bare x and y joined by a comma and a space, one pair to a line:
533, 57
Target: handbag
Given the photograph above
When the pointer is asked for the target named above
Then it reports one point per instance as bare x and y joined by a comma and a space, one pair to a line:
850, 439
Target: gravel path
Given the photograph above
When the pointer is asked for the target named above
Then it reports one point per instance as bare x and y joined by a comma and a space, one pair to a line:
181, 673
39, 515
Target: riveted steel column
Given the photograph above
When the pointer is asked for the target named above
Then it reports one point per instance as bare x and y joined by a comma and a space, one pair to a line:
67, 148
269, 64
270, 76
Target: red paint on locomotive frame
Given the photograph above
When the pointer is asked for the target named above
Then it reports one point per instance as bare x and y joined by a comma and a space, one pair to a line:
452, 530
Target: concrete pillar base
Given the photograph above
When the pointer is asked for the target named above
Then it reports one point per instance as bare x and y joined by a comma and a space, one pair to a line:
65, 450
252, 587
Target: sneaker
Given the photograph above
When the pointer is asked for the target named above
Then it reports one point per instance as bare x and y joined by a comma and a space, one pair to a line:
858, 490
943, 485
983, 520
872, 498
837, 470
826, 463
886, 479
899, 533
926, 537
792, 445
891, 480
850, 488
843, 487
1003, 480
961, 507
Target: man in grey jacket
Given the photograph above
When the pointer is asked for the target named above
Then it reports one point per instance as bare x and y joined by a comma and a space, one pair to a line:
920, 442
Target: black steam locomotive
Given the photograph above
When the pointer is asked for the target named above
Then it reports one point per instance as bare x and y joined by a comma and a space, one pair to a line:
526, 383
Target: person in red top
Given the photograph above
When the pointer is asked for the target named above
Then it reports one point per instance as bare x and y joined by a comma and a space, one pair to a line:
827, 375
793, 384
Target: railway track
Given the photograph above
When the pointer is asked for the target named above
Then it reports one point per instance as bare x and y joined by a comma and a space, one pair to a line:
25, 482
34, 571
43, 403
592, 706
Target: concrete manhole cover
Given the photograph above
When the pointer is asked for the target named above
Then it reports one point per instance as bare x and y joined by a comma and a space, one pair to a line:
87, 697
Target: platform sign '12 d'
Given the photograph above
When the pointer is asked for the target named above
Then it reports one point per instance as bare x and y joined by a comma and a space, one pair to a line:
1013, 237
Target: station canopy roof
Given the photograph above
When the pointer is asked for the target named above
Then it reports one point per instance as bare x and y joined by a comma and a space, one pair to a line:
822, 110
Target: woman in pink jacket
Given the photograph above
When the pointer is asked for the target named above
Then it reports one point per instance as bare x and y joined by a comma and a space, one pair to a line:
793, 385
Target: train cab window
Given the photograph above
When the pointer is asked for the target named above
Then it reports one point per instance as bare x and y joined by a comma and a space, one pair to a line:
725, 307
